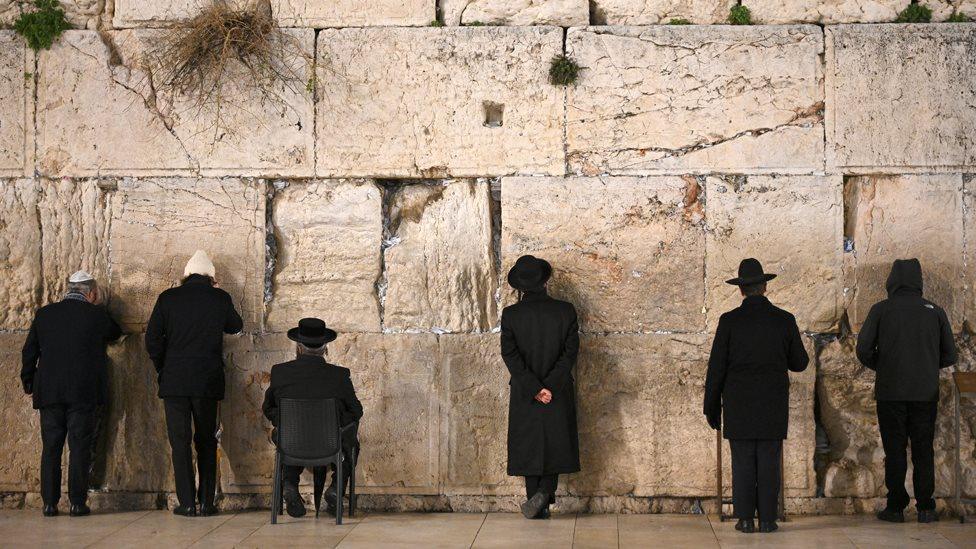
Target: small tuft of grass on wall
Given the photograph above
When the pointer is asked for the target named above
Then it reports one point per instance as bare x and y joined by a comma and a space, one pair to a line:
436, 23
679, 21
740, 15
563, 71
957, 17
915, 13
42, 26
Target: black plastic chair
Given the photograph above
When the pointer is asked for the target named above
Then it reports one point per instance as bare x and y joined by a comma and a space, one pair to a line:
309, 435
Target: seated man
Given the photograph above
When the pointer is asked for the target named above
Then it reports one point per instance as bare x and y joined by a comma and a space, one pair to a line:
309, 376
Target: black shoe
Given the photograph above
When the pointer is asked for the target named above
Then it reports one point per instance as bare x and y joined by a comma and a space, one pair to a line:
50, 510
330, 497
294, 504
544, 514
890, 515
208, 510
767, 527
185, 510
746, 526
928, 515
534, 505
79, 510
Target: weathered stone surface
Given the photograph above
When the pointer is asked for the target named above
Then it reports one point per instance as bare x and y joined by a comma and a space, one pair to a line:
678, 99
20, 253
778, 12
20, 428
475, 429
396, 379
653, 12
641, 427
99, 113
627, 251
969, 238
297, 13
794, 226
899, 217
157, 224
81, 14
562, 13
75, 216
943, 9
440, 260
328, 235
848, 414
16, 109
246, 451
890, 115
437, 102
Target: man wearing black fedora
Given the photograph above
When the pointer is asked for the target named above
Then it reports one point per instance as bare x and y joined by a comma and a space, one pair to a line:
539, 344
309, 376
755, 347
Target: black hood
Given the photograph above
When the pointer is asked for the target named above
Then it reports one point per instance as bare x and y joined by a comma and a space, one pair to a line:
905, 277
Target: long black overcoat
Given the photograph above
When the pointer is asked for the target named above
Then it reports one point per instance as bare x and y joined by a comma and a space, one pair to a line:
755, 347
539, 343
185, 338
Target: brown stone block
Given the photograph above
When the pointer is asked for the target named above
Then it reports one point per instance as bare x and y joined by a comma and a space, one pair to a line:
20, 253
17, 107
20, 429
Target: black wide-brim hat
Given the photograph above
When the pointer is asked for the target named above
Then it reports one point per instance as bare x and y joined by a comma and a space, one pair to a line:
750, 272
529, 273
312, 332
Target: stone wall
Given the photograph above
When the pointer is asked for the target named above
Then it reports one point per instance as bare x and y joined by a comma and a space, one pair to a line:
392, 195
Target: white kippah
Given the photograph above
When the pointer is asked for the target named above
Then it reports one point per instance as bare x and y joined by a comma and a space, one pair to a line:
80, 276
200, 264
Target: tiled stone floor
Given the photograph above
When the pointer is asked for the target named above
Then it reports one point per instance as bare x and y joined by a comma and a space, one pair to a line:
144, 529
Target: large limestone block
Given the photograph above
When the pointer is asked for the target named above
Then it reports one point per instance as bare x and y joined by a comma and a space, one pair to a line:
562, 13
99, 113
328, 235
75, 216
969, 237
653, 12
288, 13
20, 253
440, 259
779, 12
157, 224
20, 430
627, 251
16, 109
246, 451
901, 98
396, 378
436, 102
133, 451
474, 446
943, 9
679, 99
899, 217
794, 226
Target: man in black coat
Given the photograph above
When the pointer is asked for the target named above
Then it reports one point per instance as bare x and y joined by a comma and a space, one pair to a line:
184, 339
64, 369
539, 344
906, 339
309, 376
755, 346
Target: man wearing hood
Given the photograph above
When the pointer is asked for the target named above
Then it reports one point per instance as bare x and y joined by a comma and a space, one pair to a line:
906, 339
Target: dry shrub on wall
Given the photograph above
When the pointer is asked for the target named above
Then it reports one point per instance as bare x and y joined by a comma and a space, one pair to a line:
226, 56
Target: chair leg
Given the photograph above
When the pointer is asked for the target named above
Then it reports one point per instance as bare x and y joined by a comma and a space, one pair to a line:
352, 485
339, 489
318, 479
276, 489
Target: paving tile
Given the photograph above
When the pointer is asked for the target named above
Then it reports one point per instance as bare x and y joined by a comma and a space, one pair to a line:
416, 530
596, 531
799, 532
307, 531
235, 530
162, 529
666, 531
513, 530
30, 529
871, 534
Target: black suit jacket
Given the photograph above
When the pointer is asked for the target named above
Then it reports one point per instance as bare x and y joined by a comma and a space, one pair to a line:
64, 359
185, 338
311, 377
755, 346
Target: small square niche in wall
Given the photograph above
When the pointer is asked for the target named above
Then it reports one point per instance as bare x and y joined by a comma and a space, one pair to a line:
494, 114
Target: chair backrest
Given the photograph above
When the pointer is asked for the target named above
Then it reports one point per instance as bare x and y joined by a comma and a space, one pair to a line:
308, 429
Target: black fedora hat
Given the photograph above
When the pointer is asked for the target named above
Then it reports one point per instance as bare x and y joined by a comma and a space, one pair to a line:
529, 273
312, 333
750, 272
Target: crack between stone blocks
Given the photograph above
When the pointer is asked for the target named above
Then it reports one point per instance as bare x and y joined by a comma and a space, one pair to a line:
270, 241
315, 99
36, 81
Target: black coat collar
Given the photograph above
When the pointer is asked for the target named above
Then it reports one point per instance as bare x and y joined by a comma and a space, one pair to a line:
753, 300
197, 279
536, 295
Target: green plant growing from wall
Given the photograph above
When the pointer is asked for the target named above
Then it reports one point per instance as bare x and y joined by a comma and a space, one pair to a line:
563, 71
740, 15
436, 23
679, 21
42, 26
915, 13
957, 17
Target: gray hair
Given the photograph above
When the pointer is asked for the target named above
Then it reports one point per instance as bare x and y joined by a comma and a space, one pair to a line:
85, 287
302, 349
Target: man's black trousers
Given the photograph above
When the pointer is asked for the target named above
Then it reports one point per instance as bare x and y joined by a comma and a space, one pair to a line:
77, 424
193, 419
901, 422
542, 483
756, 478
